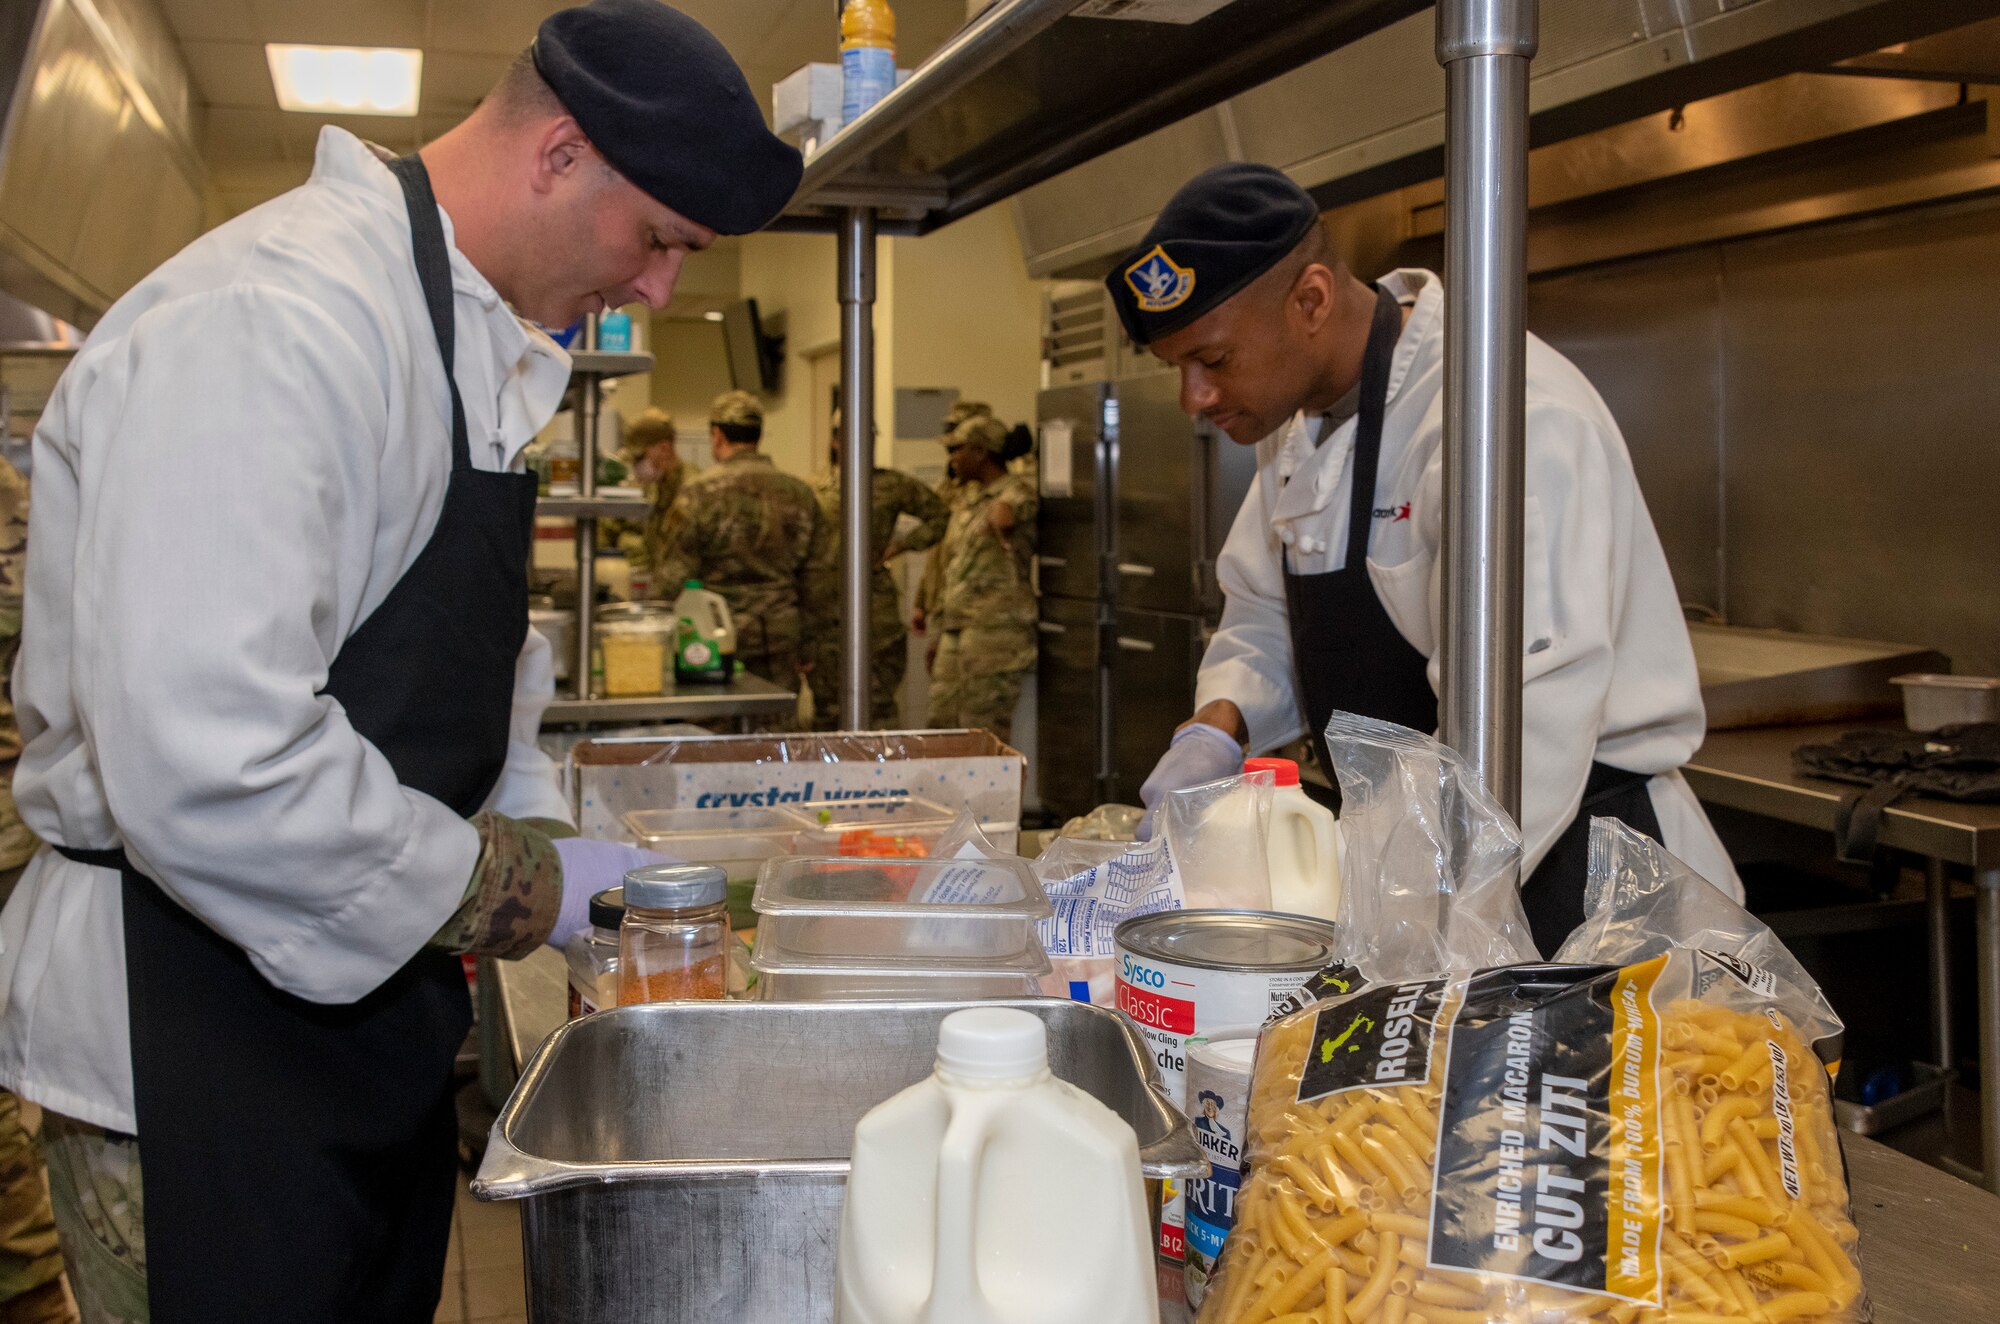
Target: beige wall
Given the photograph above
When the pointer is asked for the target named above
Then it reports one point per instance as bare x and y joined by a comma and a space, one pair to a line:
967, 316
690, 368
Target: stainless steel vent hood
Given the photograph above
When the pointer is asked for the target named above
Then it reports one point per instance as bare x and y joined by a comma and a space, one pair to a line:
99, 178
1370, 116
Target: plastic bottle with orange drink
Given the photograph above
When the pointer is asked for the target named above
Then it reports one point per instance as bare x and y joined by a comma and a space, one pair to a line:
867, 55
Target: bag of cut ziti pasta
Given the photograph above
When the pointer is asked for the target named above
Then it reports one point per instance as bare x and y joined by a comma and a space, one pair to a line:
1642, 1132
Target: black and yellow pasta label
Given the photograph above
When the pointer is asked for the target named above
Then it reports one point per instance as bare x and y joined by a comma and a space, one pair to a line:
1378, 1039
1549, 1161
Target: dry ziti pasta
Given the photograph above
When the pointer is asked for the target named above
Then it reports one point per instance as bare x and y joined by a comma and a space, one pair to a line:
1538, 1144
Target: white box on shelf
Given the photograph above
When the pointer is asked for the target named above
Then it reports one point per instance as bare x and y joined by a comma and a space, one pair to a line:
806, 98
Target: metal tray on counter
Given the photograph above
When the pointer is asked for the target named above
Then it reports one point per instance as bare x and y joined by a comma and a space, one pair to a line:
1778, 678
686, 1161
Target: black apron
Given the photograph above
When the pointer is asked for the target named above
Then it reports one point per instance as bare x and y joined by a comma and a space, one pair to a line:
298, 1158
1350, 657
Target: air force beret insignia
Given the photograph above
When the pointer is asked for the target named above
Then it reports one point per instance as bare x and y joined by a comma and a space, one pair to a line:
1158, 282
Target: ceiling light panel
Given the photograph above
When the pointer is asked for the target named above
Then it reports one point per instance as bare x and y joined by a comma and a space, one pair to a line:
346, 80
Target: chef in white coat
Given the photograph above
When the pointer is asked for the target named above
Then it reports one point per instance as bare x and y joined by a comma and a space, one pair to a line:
278, 691
1331, 570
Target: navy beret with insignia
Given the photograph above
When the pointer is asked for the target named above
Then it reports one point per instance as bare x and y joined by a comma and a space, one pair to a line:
1226, 227
664, 102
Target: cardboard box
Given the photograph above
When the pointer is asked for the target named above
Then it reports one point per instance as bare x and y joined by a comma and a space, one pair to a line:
609, 777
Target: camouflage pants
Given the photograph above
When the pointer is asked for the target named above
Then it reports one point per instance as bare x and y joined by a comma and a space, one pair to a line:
885, 680
100, 1209
976, 679
30, 1260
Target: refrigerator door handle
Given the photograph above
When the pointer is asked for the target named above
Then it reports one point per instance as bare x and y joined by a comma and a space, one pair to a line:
1132, 645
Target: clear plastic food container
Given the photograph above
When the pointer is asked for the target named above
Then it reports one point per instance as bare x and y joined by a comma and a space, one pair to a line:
634, 643
739, 840
879, 829
889, 910
840, 984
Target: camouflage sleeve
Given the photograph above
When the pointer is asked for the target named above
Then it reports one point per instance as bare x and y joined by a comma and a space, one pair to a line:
1024, 500
515, 893
922, 505
13, 547
931, 587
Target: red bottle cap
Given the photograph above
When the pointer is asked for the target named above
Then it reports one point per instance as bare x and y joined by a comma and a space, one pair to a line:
1286, 770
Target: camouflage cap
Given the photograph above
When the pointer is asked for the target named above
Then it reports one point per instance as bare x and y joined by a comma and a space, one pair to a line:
982, 430
647, 430
961, 411
736, 409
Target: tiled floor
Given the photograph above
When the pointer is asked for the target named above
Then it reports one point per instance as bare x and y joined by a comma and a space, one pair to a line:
482, 1277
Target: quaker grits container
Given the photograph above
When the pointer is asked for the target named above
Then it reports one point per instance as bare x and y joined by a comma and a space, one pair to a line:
684, 1163
1218, 1085
1182, 973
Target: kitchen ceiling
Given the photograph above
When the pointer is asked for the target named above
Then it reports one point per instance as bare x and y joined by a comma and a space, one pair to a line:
255, 151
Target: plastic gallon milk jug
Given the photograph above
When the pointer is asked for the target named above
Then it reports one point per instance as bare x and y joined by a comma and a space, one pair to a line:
1303, 850
709, 611
993, 1193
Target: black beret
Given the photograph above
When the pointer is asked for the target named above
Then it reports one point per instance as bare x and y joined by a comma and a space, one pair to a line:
664, 102
1226, 227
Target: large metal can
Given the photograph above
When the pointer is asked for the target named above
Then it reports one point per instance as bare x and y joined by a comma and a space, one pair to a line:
1182, 973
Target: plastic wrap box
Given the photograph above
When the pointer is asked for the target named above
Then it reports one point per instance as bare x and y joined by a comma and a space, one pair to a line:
611, 777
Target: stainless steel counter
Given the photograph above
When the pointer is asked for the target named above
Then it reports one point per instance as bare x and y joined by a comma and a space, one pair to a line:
1930, 1244
1751, 770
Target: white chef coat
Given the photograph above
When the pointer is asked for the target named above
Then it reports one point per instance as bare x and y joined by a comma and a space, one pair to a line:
250, 450
1609, 672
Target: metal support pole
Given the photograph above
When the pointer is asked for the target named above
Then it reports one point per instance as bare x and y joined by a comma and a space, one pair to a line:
1937, 907
857, 458
1987, 921
1485, 47
586, 526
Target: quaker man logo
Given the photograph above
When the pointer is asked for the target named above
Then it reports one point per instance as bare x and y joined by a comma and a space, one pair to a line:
1158, 282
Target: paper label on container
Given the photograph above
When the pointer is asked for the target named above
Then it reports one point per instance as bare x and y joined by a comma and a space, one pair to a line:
1090, 905
1058, 478
966, 884
1151, 11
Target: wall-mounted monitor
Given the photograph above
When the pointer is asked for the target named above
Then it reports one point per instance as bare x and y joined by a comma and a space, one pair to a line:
753, 356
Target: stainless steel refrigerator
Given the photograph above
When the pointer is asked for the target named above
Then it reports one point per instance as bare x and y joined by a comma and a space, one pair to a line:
1133, 516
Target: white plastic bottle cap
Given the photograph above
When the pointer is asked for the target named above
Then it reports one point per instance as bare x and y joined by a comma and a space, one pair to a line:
992, 1043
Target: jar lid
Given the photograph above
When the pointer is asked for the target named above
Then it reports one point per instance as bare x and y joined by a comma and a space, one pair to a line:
607, 908
675, 886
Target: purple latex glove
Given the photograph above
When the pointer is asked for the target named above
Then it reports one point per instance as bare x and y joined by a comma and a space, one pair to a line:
1198, 754
590, 866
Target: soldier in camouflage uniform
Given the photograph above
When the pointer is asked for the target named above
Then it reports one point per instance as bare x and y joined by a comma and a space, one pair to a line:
986, 610
948, 491
648, 451
17, 843
895, 494
30, 1262
746, 531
